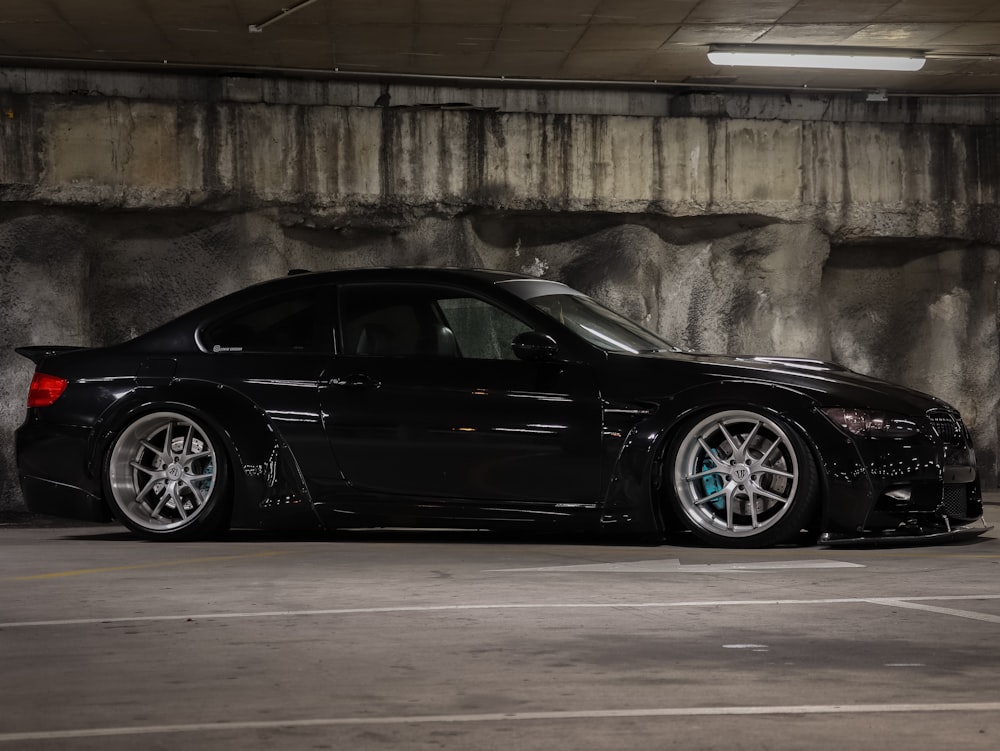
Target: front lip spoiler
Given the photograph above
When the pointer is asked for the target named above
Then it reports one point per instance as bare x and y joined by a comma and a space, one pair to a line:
890, 537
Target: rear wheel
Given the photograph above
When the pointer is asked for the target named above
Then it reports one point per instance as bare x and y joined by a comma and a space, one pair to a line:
167, 477
742, 479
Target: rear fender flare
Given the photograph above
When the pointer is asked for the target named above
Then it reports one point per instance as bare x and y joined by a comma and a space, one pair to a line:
264, 470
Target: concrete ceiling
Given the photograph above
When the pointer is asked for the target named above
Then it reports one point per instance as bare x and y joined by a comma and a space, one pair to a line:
591, 40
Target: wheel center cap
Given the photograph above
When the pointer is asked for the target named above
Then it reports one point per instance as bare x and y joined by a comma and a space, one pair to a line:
741, 473
175, 472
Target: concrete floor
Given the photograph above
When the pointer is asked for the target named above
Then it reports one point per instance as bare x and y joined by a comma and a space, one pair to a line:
400, 640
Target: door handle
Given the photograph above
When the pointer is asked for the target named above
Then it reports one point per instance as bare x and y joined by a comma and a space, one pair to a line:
356, 381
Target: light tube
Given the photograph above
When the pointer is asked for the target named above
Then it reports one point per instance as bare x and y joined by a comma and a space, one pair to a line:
847, 58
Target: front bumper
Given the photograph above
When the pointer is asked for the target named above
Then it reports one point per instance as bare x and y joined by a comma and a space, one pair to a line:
941, 500
922, 489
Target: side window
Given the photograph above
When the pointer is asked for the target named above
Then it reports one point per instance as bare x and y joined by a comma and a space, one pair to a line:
482, 330
388, 321
401, 320
287, 324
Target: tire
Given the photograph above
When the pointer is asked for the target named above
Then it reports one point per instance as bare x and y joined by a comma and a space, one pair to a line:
167, 478
742, 479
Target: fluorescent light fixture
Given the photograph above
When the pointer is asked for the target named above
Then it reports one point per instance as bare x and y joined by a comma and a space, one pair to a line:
842, 58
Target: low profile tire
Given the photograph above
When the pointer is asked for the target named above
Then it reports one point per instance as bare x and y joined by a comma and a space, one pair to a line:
166, 477
742, 479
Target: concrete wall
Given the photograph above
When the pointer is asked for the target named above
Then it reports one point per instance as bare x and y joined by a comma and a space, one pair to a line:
325, 163
872, 243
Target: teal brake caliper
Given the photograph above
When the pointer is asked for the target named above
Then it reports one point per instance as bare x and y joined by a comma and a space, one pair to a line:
712, 484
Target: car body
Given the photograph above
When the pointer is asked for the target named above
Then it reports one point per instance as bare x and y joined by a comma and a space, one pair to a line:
478, 399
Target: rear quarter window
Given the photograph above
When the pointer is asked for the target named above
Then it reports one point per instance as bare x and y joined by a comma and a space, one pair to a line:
288, 324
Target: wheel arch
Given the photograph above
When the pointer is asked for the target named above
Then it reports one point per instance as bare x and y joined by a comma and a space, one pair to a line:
264, 471
646, 449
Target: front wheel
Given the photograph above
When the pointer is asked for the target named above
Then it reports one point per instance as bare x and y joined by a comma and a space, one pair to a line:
167, 478
742, 479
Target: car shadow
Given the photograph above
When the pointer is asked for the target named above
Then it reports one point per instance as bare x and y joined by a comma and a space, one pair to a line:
393, 536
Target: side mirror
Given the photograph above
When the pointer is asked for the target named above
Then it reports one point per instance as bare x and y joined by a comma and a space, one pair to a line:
534, 346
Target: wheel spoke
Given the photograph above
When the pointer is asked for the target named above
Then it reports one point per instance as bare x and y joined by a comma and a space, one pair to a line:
158, 452
767, 453
706, 473
179, 504
750, 437
144, 468
729, 438
768, 494
168, 444
710, 453
155, 513
199, 498
147, 487
710, 498
773, 471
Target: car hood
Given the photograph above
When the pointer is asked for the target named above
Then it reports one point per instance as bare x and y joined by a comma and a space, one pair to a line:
827, 383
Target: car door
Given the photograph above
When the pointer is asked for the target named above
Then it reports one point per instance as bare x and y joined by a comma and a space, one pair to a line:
427, 399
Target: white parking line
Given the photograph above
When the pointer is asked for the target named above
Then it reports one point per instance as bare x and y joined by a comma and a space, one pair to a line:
674, 566
970, 614
504, 717
900, 601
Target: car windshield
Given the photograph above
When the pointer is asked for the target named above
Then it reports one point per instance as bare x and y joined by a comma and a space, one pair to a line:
588, 318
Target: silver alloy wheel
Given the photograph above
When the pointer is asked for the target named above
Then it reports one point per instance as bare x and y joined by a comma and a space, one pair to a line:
161, 472
735, 474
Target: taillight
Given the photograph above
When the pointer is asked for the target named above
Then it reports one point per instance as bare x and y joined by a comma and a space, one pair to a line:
45, 389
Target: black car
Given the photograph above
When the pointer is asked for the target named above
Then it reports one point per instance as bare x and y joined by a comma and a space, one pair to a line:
477, 399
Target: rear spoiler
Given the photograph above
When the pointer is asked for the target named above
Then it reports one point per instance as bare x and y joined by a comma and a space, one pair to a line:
37, 353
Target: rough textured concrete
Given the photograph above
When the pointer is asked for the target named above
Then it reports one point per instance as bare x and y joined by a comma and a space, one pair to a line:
818, 234
644, 99
853, 180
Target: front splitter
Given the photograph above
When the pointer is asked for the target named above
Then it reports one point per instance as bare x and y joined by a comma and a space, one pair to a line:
873, 539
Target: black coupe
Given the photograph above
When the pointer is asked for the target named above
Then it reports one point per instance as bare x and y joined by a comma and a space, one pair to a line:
484, 400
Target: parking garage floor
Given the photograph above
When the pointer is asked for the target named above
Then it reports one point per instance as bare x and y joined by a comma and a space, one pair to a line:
445, 640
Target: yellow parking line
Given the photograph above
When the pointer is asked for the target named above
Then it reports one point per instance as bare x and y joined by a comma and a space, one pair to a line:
135, 566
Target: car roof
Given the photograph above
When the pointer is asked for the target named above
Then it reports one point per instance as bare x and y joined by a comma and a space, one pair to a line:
305, 279
178, 334
405, 272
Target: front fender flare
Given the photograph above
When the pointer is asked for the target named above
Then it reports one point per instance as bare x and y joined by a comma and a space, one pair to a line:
639, 467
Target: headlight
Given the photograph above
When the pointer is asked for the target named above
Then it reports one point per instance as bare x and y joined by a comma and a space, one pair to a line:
871, 423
